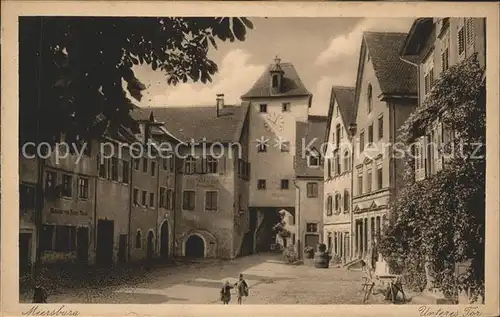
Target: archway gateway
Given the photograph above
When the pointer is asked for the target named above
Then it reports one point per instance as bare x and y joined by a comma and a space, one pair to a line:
195, 247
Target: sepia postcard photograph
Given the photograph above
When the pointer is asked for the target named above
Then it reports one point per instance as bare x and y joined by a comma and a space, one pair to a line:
283, 158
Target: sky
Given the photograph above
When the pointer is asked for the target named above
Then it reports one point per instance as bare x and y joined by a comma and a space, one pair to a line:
324, 51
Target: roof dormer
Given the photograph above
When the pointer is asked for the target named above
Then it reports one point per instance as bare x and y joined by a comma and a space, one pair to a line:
276, 73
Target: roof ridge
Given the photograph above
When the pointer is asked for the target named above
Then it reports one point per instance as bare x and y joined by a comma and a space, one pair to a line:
384, 32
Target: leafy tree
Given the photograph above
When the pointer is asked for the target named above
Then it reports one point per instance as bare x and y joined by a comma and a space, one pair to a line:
445, 224
71, 68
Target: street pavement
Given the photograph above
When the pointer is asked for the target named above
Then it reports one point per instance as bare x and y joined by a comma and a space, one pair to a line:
270, 280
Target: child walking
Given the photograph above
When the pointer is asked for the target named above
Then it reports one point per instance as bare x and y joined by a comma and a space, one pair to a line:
225, 293
242, 288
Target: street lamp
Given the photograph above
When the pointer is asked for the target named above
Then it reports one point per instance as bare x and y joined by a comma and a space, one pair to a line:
353, 127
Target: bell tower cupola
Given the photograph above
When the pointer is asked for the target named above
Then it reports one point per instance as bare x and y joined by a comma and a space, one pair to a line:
276, 73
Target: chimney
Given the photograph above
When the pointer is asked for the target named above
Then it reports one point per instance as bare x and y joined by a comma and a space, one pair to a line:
219, 102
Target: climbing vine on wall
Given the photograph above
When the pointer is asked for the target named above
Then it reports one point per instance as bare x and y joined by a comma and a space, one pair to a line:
439, 221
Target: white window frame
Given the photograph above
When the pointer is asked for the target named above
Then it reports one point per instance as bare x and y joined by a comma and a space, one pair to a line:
310, 155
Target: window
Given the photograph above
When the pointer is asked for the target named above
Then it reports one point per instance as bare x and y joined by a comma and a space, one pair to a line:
83, 188
47, 238
347, 165
360, 182
380, 127
337, 162
337, 202
313, 159
312, 227
211, 165
136, 164
329, 168
103, 167
329, 207
337, 139
27, 197
361, 142
461, 40
262, 147
369, 181
153, 168
171, 161
379, 177
370, 134
312, 190
126, 173
143, 198
284, 184
136, 196
445, 52
189, 165
114, 168
263, 107
170, 199
50, 181
163, 197
138, 239
67, 185
285, 146
211, 198
369, 97
151, 200
145, 165
275, 81
429, 73
285, 107
261, 184
470, 31
164, 163
347, 200
188, 200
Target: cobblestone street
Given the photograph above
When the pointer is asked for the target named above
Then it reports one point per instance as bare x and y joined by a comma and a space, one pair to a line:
270, 281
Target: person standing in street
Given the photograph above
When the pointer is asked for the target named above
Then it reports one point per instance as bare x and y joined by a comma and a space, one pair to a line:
39, 294
225, 293
242, 288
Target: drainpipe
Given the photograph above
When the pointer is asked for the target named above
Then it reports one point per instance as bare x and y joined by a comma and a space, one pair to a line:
299, 234
352, 130
158, 162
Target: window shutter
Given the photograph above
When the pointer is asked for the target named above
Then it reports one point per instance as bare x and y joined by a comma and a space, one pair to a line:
221, 164
199, 166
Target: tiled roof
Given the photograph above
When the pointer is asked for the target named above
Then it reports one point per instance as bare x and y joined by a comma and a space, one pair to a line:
395, 76
199, 122
345, 100
313, 130
292, 85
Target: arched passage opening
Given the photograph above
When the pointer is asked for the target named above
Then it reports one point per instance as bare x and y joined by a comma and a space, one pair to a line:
195, 247
150, 245
164, 241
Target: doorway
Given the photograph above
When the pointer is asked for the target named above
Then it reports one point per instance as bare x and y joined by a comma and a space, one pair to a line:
312, 240
164, 241
24, 252
150, 246
122, 248
82, 241
195, 247
104, 250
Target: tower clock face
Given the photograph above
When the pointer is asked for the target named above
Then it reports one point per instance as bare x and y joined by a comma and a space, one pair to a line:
275, 121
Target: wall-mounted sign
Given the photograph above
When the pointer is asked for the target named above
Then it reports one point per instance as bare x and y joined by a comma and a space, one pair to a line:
69, 212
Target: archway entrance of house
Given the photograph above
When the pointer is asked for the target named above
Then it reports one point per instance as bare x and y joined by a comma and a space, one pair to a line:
150, 245
195, 247
164, 243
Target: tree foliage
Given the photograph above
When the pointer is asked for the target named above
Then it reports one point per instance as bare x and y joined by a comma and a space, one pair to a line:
440, 220
72, 68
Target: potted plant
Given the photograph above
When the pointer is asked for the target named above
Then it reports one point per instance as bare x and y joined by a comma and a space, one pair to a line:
309, 252
321, 258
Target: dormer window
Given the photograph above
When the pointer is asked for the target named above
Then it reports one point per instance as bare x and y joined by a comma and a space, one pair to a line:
275, 81
313, 159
